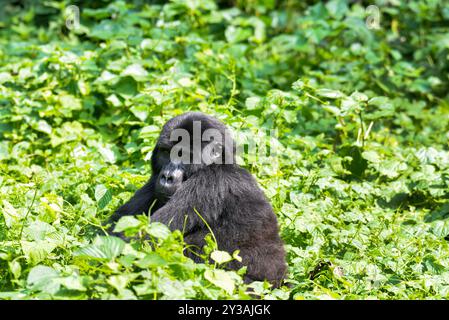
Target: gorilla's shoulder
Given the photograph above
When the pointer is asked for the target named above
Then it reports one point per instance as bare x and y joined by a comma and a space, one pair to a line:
239, 181
240, 172
229, 171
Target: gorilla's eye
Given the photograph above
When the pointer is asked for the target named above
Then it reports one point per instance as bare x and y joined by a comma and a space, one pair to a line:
216, 151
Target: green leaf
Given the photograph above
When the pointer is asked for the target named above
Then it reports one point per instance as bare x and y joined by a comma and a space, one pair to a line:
70, 102
236, 34
43, 278
158, 230
140, 111
126, 223
84, 87
151, 260
337, 8
16, 268
43, 126
348, 105
440, 228
331, 94
157, 45
108, 29
252, 103
107, 153
73, 282
5, 77
37, 251
236, 256
102, 195
4, 150
126, 87
114, 100
359, 97
220, 256
103, 248
107, 77
371, 156
136, 71
149, 131
11, 215
119, 282
39, 230
221, 279
391, 168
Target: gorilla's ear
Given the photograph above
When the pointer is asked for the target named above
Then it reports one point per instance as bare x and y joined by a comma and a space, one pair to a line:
212, 153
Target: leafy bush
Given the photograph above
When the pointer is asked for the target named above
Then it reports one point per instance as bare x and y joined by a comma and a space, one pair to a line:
361, 178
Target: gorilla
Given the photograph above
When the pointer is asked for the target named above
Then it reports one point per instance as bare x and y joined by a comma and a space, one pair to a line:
195, 177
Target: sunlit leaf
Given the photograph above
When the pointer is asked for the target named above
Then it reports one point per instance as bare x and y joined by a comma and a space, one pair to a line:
106, 248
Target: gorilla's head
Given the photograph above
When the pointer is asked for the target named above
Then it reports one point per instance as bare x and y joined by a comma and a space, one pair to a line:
187, 144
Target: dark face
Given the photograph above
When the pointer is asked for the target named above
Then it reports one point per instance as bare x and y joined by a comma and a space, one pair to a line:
187, 144
170, 174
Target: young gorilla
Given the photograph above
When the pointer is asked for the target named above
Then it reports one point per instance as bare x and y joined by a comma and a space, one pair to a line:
224, 194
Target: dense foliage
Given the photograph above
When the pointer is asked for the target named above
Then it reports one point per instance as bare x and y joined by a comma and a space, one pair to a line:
359, 99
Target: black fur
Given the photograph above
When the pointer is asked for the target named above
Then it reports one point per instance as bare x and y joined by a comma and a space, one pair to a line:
226, 196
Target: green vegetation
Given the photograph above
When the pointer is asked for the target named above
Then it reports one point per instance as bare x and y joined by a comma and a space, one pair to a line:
361, 185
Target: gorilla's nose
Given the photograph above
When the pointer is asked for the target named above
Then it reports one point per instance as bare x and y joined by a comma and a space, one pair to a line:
171, 178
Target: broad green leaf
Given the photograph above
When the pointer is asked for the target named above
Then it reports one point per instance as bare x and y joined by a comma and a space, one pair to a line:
103, 248
43, 126
337, 8
221, 279
107, 153
103, 195
126, 87
107, 77
331, 94
120, 282
37, 251
371, 156
440, 228
140, 111
151, 260
5, 77
158, 230
359, 97
39, 230
149, 131
11, 215
126, 223
114, 100
236, 34
43, 278
15, 268
70, 102
4, 150
110, 29
348, 105
84, 87
252, 103
73, 282
220, 256
136, 71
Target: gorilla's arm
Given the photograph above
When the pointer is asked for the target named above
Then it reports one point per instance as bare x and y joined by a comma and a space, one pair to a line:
205, 192
139, 203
